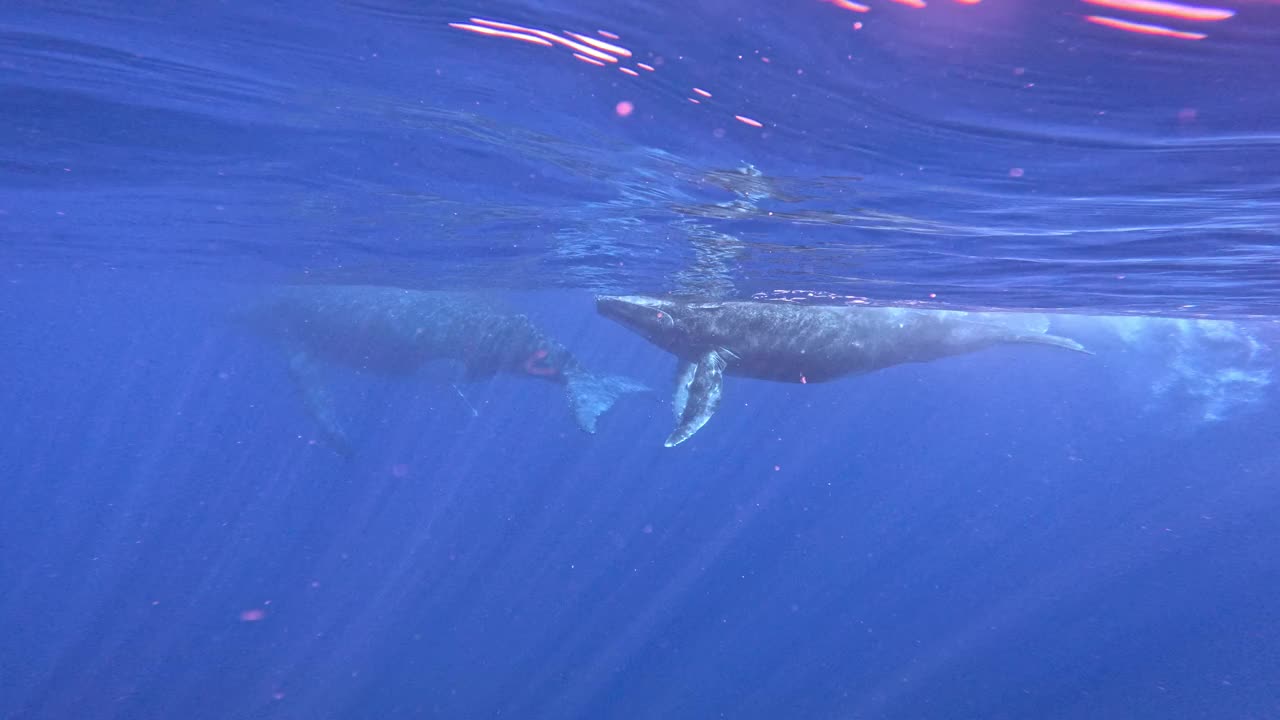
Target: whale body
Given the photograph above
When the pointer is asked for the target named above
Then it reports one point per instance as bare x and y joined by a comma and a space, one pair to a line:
804, 343
396, 332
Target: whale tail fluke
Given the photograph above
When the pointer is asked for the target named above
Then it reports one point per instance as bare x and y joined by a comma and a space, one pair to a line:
591, 395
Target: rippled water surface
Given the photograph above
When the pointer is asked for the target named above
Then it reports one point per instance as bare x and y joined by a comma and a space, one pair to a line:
1012, 154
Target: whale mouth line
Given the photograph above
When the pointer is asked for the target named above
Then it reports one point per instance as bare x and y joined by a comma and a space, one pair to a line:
644, 315
532, 367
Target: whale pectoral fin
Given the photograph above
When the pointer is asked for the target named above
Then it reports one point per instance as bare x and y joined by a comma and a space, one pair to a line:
684, 378
701, 397
1057, 341
307, 376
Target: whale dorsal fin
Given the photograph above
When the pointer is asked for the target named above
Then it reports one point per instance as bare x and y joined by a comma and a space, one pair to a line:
699, 386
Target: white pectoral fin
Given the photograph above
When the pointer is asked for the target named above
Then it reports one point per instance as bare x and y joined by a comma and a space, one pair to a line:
697, 397
684, 378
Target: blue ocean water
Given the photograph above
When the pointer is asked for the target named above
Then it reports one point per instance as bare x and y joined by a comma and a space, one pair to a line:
1012, 533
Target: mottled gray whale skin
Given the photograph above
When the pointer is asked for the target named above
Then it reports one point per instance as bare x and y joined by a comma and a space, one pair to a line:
395, 332
804, 343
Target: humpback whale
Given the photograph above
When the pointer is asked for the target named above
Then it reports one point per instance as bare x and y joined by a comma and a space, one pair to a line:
804, 343
396, 332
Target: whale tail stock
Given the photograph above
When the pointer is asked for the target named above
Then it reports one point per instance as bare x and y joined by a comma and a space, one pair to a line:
591, 395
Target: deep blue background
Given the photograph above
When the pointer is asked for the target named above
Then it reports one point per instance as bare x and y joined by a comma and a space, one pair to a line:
999, 535
1013, 534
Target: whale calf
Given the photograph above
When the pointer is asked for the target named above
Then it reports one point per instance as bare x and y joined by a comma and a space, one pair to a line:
804, 343
396, 332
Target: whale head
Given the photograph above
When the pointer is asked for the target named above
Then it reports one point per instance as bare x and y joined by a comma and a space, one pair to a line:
658, 321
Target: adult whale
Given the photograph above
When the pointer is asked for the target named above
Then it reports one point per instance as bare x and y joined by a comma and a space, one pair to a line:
804, 343
395, 331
